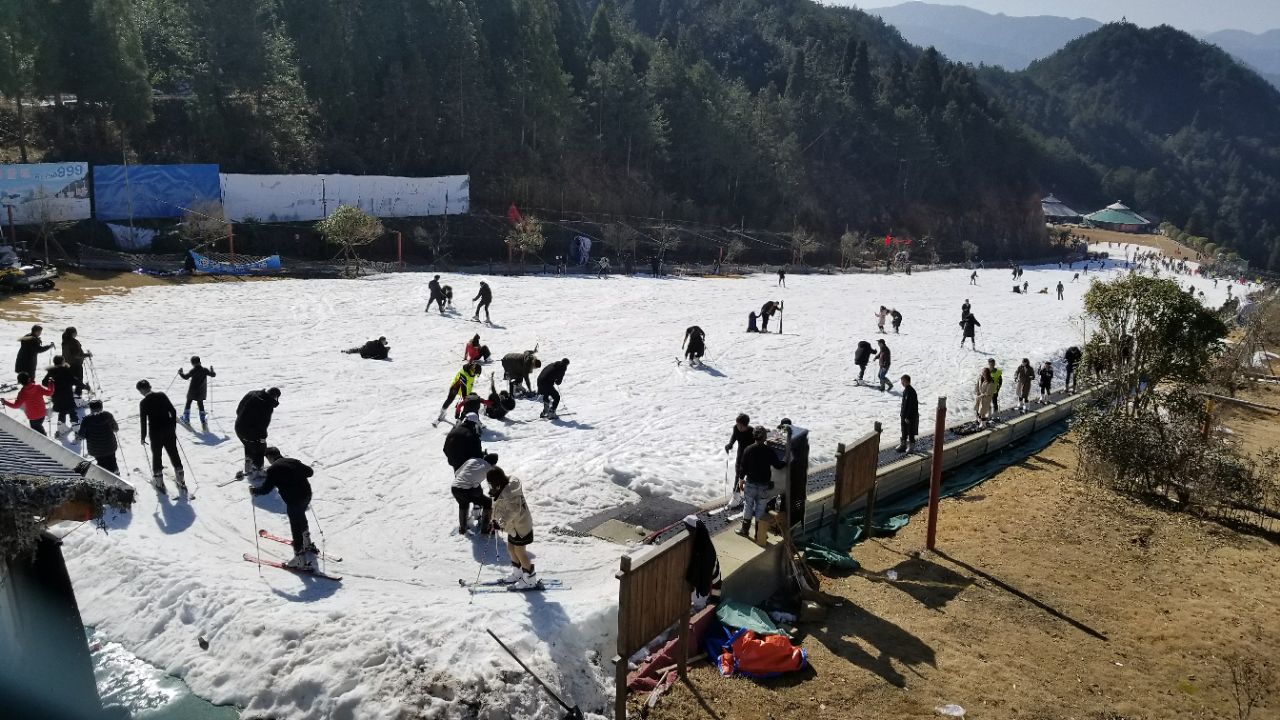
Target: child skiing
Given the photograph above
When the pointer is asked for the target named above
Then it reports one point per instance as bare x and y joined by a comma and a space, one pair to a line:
511, 513
485, 296
551, 376
253, 418
197, 389
969, 322
60, 378
909, 415
289, 477
461, 386
751, 322
696, 344
861, 356
1022, 378
1046, 380
156, 412
467, 490
99, 430
30, 400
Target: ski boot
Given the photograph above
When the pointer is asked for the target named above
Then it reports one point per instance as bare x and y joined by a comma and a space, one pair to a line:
62, 431
308, 546
204, 421
515, 574
186, 418
180, 480
301, 562
528, 581
157, 481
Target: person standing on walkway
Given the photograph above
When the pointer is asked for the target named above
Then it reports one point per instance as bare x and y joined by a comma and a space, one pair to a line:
29, 349
909, 415
1022, 378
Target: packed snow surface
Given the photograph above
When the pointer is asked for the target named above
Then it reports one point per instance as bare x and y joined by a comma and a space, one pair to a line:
398, 637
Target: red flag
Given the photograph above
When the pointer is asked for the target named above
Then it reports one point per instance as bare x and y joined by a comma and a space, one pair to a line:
888, 240
514, 215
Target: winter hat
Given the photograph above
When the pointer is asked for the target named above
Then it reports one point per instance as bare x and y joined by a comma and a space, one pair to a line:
691, 521
471, 418
564, 360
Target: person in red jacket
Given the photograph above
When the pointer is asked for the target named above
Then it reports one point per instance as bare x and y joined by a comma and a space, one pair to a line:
31, 400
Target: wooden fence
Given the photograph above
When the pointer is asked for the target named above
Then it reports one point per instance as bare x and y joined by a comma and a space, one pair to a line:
856, 474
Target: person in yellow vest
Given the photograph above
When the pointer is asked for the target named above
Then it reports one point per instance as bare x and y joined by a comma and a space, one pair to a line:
461, 386
997, 378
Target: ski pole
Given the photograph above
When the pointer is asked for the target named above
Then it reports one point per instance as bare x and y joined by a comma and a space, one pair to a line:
195, 484
726, 478
574, 711
257, 544
171, 382
323, 543
120, 446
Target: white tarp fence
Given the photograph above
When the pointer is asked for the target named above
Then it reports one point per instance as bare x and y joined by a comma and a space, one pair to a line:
288, 198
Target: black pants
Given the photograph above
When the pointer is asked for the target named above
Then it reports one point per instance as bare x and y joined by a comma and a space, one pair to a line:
862, 371
439, 301
453, 393
38, 426
764, 323
170, 446
466, 498
73, 413
255, 449
199, 405
107, 462
297, 513
1069, 380
909, 429
484, 305
77, 371
550, 398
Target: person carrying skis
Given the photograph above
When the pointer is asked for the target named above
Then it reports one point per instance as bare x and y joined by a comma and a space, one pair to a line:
436, 296
253, 418
511, 513
885, 357
29, 349
62, 381
157, 413
467, 490
896, 318
881, 315
861, 356
696, 342
969, 322
460, 387
758, 462
1022, 378
1060, 287
30, 400
982, 397
289, 478
997, 381
372, 350
463, 441
740, 436
1073, 360
99, 430
766, 311
197, 389
551, 376
1046, 380
474, 352
485, 296
517, 367
909, 415
75, 355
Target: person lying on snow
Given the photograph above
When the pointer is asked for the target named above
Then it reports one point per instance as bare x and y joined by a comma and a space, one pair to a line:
372, 350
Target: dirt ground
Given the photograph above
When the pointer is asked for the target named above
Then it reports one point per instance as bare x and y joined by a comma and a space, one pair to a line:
1047, 598
75, 286
1162, 243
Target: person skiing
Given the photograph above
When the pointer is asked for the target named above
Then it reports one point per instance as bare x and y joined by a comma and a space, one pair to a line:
766, 311
551, 376
884, 357
982, 397
1060, 286
60, 378
197, 389
1025, 285
463, 441
881, 315
973, 278
436, 296
517, 367
1022, 378
289, 478
861, 356
694, 344
964, 309
896, 318
782, 276
99, 429
1073, 357
157, 414
1046, 380
485, 296
758, 463
29, 349
740, 436
751, 322
969, 322
467, 490
909, 415
474, 352
460, 386
253, 418
75, 355
997, 381
511, 513
30, 400
371, 350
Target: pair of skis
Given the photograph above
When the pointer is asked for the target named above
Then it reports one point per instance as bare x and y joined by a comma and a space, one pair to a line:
497, 586
268, 562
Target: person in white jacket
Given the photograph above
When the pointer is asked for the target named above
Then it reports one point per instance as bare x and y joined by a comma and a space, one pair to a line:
511, 513
467, 490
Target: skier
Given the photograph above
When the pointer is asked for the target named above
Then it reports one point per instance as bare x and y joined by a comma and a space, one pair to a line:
696, 344
436, 296
896, 318
861, 356
29, 348
253, 418
782, 276
758, 462
289, 478
964, 309
60, 378
372, 350
511, 513
516, 368
551, 376
75, 355
1059, 289
766, 311
1022, 380
485, 296
884, 356
751, 322
1046, 380
969, 322
30, 399
997, 381
461, 386
99, 430
197, 389
467, 491
1073, 359
447, 290
881, 315
474, 352
463, 441
157, 412
973, 278
1075, 278
909, 415
982, 397
740, 436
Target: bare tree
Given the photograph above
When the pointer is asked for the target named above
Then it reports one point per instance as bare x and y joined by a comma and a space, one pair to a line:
526, 236
851, 245
436, 242
350, 228
734, 249
665, 240
803, 244
203, 223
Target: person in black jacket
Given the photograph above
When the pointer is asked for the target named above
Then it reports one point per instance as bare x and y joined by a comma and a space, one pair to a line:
197, 389
766, 311
372, 350
861, 357
29, 349
253, 417
740, 436
75, 355
463, 441
65, 386
909, 415
1073, 359
551, 376
969, 322
696, 346
885, 358
157, 413
289, 478
437, 294
897, 319
485, 296
98, 429
758, 463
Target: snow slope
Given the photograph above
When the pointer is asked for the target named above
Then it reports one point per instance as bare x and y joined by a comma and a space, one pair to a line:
398, 638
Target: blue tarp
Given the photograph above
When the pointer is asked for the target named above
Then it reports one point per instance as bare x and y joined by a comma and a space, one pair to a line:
152, 191
264, 266
135, 239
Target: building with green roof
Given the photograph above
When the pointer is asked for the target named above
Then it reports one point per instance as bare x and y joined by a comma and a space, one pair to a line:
1118, 217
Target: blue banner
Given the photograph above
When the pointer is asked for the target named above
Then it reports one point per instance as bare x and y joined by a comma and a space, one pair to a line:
152, 191
213, 267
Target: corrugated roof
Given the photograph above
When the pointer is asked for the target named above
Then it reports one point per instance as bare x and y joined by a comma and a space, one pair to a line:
1053, 207
1117, 214
19, 458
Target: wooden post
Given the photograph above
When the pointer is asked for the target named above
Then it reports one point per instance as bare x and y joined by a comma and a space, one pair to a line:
620, 662
399, 248
868, 528
935, 472
685, 635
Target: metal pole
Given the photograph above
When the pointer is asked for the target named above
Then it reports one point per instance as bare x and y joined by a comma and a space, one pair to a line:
399, 248
13, 233
231, 238
935, 472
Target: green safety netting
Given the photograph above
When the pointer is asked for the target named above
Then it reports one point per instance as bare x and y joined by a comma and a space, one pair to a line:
740, 615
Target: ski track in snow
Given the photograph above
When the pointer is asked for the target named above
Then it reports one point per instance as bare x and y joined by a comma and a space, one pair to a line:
398, 637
